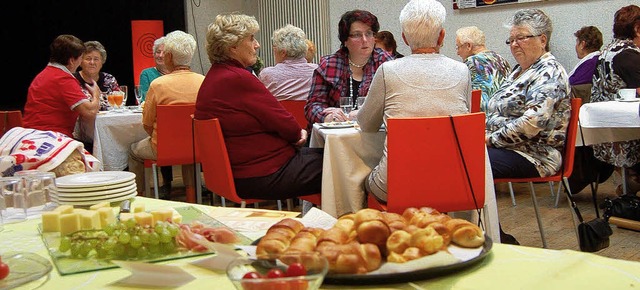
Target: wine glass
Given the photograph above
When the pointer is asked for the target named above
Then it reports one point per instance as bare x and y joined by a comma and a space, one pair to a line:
346, 104
125, 90
359, 102
138, 94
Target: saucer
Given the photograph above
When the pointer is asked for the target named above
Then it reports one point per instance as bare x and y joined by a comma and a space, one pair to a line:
629, 100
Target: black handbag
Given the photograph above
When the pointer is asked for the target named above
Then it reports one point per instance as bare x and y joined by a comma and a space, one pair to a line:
594, 234
625, 206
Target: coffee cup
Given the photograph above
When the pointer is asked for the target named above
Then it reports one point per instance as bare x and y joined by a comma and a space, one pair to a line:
627, 94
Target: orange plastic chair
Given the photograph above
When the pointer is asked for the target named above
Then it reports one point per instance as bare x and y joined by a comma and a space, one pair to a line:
427, 168
476, 98
10, 119
175, 146
296, 108
565, 171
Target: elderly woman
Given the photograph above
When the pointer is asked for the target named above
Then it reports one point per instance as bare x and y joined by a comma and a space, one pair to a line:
488, 68
349, 71
588, 43
424, 83
249, 114
91, 70
151, 73
386, 41
290, 78
618, 67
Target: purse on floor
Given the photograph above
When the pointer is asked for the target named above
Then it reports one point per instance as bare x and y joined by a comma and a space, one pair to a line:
594, 234
625, 206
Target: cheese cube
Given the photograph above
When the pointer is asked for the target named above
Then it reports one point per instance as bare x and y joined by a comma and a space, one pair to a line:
79, 210
65, 208
90, 220
137, 207
69, 223
100, 205
177, 218
125, 216
144, 218
106, 216
51, 221
163, 214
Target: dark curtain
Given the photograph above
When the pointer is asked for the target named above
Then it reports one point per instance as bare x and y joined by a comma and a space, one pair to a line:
26, 41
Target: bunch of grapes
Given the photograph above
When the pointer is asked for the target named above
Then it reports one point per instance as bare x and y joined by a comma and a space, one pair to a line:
125, 240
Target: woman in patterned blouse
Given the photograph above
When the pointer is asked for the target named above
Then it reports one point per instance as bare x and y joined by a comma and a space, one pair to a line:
527, 117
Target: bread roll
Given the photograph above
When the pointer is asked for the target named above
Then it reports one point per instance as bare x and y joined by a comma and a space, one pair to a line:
278, 237
427, 240
465, 233
394, 221
351, 258
371, 228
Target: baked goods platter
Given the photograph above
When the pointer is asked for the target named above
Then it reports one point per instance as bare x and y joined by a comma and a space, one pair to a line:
372, 247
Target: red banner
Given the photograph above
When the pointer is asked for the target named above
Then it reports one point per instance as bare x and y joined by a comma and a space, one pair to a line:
143, 34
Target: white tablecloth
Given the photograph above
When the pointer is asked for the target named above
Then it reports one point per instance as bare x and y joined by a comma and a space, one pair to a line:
611, 121
350, 155
114, 134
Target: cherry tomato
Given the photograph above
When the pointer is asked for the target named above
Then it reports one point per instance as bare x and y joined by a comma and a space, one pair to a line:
251, 285
4, 270
275, 273
252, 275
296, 269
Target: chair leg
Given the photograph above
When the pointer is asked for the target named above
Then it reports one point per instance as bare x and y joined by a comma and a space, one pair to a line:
551, 188
147, 184
154, 170
243, 204
513, 198
535, 207
279, 202
198, 183
289, 204
223, 201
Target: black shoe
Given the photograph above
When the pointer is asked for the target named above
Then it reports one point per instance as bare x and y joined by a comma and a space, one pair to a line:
165, 191
508, 239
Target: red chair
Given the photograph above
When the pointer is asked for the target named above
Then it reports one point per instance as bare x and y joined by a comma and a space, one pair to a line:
10, 119
175, 147
296, 108
565, 171
427, 168
476, 99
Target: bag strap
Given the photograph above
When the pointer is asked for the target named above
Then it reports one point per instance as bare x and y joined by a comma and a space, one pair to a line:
593, 189
466, 171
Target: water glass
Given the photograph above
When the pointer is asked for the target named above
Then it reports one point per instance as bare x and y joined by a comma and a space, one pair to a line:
41, 190
13, 205
136, 91
346, 104
359, 102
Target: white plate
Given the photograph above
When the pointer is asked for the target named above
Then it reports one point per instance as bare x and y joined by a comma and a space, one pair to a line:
629, 100
336, 125
93, 179
71, 190
97, 199
128, 196
98, 193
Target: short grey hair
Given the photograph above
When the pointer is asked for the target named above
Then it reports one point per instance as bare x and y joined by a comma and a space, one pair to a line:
181, 46
535, 20
157, 43
290, 39
226, 31
96, 46
421, 22
472, 35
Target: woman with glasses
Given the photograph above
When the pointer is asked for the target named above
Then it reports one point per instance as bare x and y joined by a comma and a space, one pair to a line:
349, 71
91, 71
527, 117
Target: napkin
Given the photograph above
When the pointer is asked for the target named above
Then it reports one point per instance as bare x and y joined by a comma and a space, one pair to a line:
146, 274
224, 255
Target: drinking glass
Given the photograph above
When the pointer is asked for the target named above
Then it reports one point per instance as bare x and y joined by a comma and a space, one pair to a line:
136, 90
359, 102
41, 190
346, 105
13, 205
116, 100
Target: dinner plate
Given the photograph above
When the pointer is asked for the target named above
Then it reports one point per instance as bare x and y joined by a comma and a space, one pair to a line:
24, 267
337, 125
97, 199
629, 100
92, 179
97, 194
104, 188
92, 202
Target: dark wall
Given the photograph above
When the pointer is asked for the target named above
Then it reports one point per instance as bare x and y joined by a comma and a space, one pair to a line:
26, 41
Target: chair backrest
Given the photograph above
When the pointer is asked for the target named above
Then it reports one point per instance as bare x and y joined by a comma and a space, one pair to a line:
569, 153
10, 119
175, 134
212, 153
582, 91
425, 165
296, 108
476, 98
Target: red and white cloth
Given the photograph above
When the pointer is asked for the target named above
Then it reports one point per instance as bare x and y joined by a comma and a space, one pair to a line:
23, 149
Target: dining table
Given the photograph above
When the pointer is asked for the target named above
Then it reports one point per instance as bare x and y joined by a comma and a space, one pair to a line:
113, 133
611, 121
504, 266
349, 156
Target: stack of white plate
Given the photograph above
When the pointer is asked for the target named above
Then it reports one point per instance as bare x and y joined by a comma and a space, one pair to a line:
95, 187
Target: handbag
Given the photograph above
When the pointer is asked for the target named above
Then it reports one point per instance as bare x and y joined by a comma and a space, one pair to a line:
625, 206
594, 234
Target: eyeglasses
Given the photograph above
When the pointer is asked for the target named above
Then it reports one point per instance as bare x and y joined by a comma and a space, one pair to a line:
359, 35
459, 46
519, 39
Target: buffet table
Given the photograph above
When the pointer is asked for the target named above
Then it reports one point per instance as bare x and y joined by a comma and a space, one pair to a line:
506, 266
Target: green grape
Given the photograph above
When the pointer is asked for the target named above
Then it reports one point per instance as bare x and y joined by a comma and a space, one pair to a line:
124, 238
131, 252
144, 236
75, 249
154, 238
143, 252
165, 236
155, 250
65, 244
110, 243
160, 226
135, 242
109, 229
173, 229
130, 223
85, 249
119, 250
167, 248
101, 253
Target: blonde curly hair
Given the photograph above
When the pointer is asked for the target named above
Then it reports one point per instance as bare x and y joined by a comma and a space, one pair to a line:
226, 31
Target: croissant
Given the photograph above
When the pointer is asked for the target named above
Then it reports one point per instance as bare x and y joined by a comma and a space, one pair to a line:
304, 241
464, 233
278, 237
351, 258
371, 228
398, 241
347, 224
394, 221
427, 240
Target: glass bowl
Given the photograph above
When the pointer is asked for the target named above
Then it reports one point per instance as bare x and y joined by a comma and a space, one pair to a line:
278, 271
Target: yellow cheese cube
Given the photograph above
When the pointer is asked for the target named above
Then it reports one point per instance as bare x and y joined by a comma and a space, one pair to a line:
69, 223
106, 216
65, 208
137, 207
177, 218
144, 218
163, 214
51, 221
100, 205
79, 210
125, 216
90, 220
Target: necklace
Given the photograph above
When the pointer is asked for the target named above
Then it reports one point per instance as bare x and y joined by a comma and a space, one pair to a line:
358, 65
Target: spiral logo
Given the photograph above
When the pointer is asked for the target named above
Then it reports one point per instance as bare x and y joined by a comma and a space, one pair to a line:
145, 44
